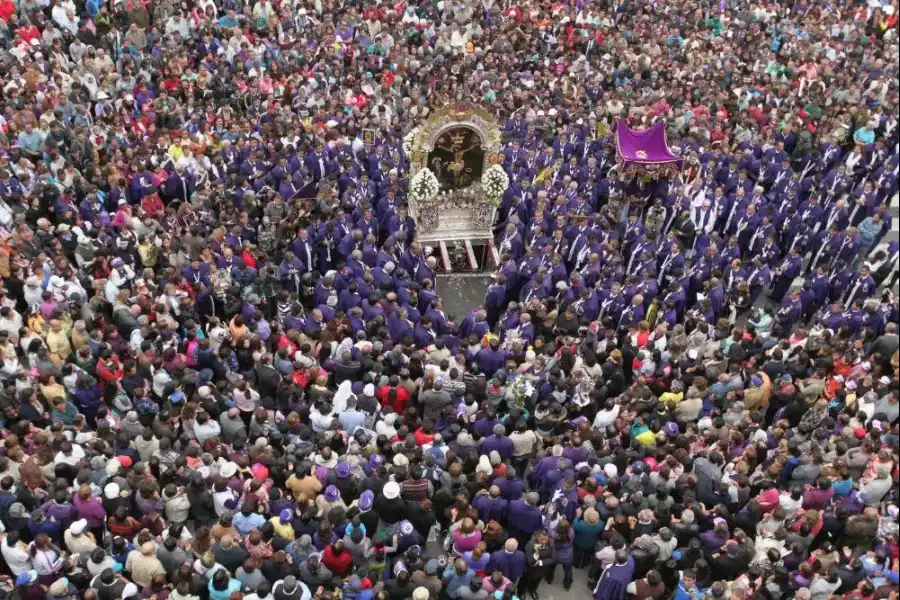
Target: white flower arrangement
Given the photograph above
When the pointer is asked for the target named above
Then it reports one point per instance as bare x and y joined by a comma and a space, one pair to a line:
520, 391
424, 187
409, 141
494, 182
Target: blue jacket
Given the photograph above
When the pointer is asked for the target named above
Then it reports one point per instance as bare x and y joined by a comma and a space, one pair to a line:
452, 580
683, 593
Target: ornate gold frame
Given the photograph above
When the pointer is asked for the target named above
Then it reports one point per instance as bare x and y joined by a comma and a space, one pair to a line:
459, 114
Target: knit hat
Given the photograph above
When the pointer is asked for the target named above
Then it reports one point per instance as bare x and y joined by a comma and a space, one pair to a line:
366, 499
332, 494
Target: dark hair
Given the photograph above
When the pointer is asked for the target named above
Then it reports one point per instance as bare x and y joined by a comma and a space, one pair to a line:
220, 579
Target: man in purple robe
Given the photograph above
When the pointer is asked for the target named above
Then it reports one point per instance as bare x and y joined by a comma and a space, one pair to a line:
511, 486
615, 578
524, 517
510, 561
497, 441
491, 505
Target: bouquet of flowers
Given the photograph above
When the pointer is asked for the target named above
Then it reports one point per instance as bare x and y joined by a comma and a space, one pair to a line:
583, 391
409, 141
520, 392
423, 187
494, 183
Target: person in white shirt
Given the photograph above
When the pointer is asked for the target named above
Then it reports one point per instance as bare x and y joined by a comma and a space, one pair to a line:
216, 333
161, 379
71, 454
386, 426
205, 428
791, 501
10, 322
178, 24
15, 553
321, 419
220, 497
120, 274
607, 416
65, 17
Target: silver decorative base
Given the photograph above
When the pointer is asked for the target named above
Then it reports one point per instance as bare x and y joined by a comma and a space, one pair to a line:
436, 223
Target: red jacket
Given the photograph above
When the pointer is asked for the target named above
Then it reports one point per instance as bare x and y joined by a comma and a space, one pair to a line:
28, 33
7, 9
423, 438
152, 205
401, 400
109, 372
338, 564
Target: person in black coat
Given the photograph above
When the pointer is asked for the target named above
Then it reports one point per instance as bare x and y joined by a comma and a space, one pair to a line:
391, 509
728, 565
645, 552
421, 515
540, 556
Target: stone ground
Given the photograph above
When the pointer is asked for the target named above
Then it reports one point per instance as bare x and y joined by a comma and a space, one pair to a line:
462, 292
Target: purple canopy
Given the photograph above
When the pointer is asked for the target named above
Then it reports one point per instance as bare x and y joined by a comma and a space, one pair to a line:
645, 152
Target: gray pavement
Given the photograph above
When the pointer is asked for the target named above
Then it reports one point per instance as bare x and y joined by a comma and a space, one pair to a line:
462, 292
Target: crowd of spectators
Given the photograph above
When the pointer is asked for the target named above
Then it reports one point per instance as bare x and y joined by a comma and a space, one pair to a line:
227, 372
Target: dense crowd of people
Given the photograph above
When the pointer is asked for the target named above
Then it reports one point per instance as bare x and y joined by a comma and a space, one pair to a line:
228, 373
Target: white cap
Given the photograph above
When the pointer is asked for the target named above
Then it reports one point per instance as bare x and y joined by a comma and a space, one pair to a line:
79, 526
391, 490
228, 469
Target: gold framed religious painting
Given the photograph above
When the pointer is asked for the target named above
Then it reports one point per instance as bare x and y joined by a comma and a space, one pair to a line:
457, 158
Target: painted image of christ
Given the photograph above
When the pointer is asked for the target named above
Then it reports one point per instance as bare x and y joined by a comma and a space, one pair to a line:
457, 158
